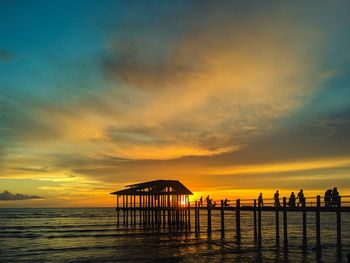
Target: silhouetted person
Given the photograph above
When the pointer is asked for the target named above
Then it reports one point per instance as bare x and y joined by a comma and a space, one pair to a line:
226, 202
328, 198
207, 199
201, 201
260, 200
213, 204
335, 197
291, 201
301, 198
276, 197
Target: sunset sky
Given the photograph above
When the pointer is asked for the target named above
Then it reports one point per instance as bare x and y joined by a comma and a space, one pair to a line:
230, 97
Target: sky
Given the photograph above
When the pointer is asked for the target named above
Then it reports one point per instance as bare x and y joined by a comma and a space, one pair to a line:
232, 98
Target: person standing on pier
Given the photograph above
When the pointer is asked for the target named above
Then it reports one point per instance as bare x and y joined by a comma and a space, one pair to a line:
201, 201
226, 202
335, 197
328, 198
207, 199
277, 199
291, 201
260, 200
301, 198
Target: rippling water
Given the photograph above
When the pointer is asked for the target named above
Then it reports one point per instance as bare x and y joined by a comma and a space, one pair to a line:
91, 235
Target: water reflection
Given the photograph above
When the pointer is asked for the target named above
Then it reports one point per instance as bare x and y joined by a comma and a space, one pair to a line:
92, 235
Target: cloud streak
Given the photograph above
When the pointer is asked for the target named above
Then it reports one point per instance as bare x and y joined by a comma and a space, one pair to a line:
8, 196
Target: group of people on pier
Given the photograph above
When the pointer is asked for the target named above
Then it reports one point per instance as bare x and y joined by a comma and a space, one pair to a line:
331, 199
291, 201
211, 203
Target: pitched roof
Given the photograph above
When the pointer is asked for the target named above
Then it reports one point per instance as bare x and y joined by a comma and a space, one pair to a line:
156, 187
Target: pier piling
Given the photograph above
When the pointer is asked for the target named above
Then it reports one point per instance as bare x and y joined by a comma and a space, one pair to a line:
277, 225
238, 220
209, 218
285, 227
255, 226
259, 224
304, 224
222, 218
339, 223
318, 224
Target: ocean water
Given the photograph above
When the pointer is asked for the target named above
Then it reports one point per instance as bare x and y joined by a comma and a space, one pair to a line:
92, 235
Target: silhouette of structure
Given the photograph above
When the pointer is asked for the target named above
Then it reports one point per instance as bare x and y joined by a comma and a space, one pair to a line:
166, 203
155, 203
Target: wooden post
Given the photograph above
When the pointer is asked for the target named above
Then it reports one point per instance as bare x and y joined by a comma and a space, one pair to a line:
255, 226
144, 210
189, 216
209, 218
168, 207
277, 221
259, 224
285, 228
195, 217
140, 207
339, 223
238, 220
152, 210
304, 225
222, 218
158, 213
131, 211
127, 209
318, 224
123, 209
149, 210
118, 210
177, 211
135, 210
198, 218
164, 210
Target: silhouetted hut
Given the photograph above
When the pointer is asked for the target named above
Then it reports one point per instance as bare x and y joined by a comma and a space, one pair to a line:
156, 202
159, 193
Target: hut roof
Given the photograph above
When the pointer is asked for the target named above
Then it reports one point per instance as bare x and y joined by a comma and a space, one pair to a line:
157, 187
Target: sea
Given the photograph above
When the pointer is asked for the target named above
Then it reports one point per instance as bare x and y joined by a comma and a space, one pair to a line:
92, 235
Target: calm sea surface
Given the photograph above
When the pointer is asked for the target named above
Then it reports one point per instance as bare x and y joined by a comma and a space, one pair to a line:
91, 235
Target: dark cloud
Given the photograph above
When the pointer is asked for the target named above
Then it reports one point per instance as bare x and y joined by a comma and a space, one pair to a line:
8, 196
170, 44
6, 55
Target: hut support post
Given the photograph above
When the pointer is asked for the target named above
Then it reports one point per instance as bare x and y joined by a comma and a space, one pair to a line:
189, 216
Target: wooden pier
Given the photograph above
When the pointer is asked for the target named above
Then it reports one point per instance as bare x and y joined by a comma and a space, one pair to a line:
165, 204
